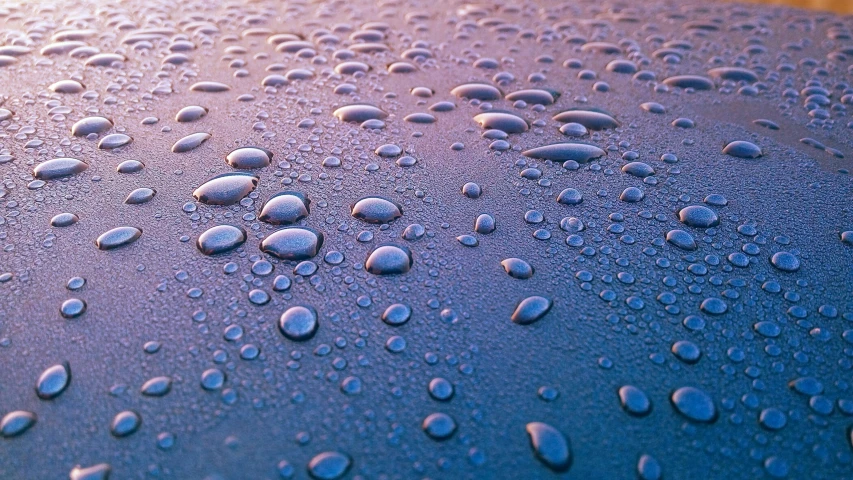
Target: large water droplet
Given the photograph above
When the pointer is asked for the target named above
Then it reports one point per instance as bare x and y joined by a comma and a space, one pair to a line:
550, 446
694, 404
698, 216
118, 237
329, 466
190, 142
531, 309
293, 243
359, 113
249, 157
58, 168
16, 422
220, 239
742, 149
561, 152
90, 125
298, 323
53, 381
376, 210
226, 188
389, 259
285, 208
589, 118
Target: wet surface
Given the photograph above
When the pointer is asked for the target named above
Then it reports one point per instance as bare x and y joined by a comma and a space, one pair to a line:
425, 240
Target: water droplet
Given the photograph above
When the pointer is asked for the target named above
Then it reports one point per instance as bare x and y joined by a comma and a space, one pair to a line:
485, 224
209, 87
681, 239
125, 423
441, 389
190, 114
90, 125
570, 196
249, 157
593, 119
226, 188
118, 237
531, 309
478, 91
58, 168
389, 259
64, 220
698, 216
293, 243
285, 208
114, 140
396, 314
53, 381
140, 195
517, 268
329, 466
695, 82
439, 426
694, 404
376, 210
100, 471
550, 446
359, 113
634, 401
505, 122
561, 152
190, 142
298, 323
785, 261
742, 149
156, 387
17, 422
130, 166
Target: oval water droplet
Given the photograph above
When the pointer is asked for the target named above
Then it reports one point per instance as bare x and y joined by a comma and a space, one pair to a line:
125, 423
118, 237
285, 208
531, 309
58, 168
329, 466
17, 422
561, 152
389, 259
359, 113
694, 404
226, 188
742, 149
249, 157
376, 210
293, 243
517, 268
113, 141
64, 220
550, 446
478, 91
298, 323
140, 195
90, 125
190, 142
220, 239
190, 114
53, 381
698, 216
591, 119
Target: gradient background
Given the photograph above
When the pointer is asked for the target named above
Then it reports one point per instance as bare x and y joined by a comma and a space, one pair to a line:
838, 6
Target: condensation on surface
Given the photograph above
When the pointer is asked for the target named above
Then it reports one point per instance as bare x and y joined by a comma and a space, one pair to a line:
425, 240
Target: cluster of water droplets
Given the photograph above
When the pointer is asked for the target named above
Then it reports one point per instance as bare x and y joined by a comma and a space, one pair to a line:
357, 221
